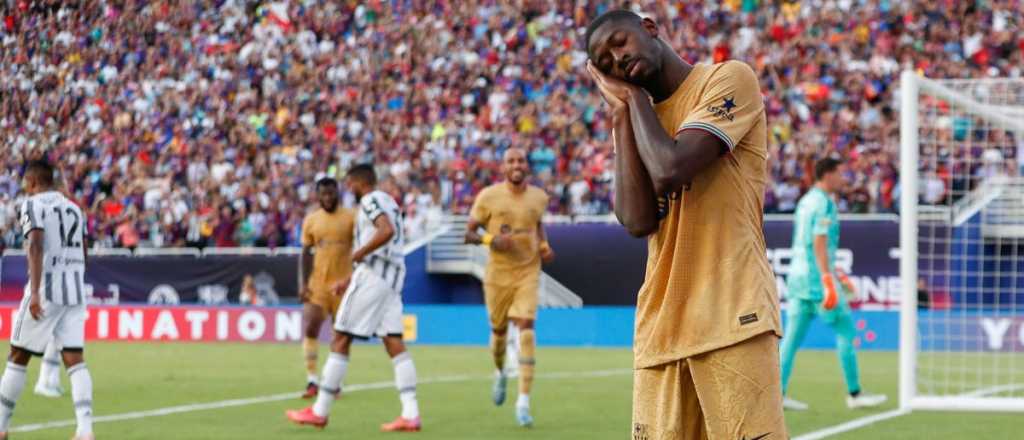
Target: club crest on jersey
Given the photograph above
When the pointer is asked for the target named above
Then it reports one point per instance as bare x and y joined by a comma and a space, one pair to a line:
724, 110
640, 432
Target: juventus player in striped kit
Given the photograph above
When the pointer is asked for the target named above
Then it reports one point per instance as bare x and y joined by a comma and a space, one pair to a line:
53, 307
371, 305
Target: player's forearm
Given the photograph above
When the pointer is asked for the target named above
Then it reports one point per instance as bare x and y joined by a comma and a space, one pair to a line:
542, 236
669, 164
35, 265
380, 238
635, 202
473, 237
307, 266
821, 254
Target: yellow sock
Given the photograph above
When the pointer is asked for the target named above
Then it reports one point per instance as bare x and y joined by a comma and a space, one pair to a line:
310, 347
498, 344
527, 349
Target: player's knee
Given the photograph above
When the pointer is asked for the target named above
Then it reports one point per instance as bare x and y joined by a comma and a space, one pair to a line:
341, 343
499, 331
312, 329
19, 356
523, 324
394, 345
72, 356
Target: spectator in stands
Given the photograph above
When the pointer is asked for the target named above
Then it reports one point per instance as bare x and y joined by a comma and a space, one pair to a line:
248, 294
198, 106
934, 188
127, 233
225, 226
542, 160
924, 300
786, 193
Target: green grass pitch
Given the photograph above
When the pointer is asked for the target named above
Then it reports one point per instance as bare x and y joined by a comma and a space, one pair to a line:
587, 397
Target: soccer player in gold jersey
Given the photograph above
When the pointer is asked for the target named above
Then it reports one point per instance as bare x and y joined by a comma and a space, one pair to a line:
691, 167
510, 212
329, 231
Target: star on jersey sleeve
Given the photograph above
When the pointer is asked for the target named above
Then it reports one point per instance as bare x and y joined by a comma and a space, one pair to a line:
730, 105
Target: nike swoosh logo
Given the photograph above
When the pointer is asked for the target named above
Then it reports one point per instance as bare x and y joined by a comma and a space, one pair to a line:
765, 435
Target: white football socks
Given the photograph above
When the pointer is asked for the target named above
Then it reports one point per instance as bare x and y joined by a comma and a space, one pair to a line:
405, 381
523, 401
11, 384
81, 395
330, 384
49, 371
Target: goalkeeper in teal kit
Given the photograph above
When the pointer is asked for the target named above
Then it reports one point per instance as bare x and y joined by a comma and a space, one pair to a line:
815, 286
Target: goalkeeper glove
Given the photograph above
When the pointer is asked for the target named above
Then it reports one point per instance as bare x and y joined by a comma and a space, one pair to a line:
831, 296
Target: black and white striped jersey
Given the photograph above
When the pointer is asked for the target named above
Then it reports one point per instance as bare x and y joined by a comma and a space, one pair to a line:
63, 226
388, 261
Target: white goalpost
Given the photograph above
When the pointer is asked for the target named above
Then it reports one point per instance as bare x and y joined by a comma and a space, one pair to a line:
962, 244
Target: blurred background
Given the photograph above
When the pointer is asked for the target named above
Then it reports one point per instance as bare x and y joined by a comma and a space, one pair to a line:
206, 123
193, 132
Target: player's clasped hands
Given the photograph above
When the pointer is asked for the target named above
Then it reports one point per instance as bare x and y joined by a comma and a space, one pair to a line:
614, 91
614, 101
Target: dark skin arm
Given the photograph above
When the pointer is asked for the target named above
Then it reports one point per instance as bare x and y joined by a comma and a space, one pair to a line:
500, 243
547, 255
35, 271
306, 269
384, 232
671, 162
473, 235
636, 205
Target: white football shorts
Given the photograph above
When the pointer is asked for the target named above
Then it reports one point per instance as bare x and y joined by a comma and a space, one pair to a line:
65, 325
370, 308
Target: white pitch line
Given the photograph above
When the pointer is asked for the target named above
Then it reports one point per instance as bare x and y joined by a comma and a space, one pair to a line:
287, 396
851, 425
865, 421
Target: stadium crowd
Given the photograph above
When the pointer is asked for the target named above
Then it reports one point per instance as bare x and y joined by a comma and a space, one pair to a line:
208, 122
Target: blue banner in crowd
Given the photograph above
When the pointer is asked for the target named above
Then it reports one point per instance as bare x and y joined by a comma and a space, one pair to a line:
599, 262
605, 266
210, 280
613, 327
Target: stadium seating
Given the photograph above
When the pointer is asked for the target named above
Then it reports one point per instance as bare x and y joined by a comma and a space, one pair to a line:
206, 122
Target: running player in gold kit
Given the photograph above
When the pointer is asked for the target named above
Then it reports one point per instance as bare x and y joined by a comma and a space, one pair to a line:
510, 212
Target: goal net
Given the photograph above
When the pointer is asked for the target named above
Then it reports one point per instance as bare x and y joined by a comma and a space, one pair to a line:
962, 244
